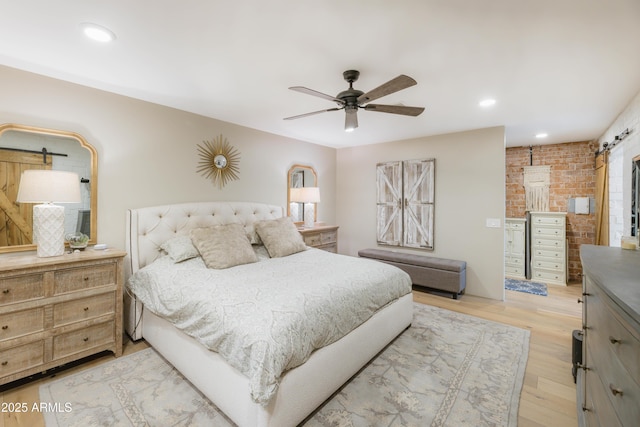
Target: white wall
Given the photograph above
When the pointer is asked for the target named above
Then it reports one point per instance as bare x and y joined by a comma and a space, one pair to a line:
470, 187
620, 161
147, 153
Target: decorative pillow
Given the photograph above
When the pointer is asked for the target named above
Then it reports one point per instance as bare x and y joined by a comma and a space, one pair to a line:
180, 248
280, 237
223, 246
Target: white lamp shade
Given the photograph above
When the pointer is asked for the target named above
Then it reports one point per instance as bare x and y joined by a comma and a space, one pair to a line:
305, 195
48, 186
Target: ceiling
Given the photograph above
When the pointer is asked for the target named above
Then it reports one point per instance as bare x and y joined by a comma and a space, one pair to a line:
566, 68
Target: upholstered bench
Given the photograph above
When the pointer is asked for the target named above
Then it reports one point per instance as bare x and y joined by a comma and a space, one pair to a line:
435, 273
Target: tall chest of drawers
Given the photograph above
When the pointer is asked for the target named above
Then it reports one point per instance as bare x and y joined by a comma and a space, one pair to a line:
514, 247
608, 383
59, 309
549, 247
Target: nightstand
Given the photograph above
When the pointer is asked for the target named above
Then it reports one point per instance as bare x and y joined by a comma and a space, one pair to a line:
323, 237
58, 309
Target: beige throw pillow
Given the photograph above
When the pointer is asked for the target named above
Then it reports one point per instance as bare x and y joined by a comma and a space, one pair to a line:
223, 246
280, 237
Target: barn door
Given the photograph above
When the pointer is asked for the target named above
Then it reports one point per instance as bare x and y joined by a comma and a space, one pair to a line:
405, 203
389, 203
16, 220
418, 203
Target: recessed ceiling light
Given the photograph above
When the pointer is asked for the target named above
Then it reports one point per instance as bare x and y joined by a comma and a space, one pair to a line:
487, 102
97, 32
541, 135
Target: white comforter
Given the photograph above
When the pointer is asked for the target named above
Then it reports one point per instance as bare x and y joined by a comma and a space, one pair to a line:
267, 317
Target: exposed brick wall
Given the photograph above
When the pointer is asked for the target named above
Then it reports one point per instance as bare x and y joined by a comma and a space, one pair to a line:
572, 175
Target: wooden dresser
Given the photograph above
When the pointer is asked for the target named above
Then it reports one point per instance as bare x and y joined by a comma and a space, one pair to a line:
608, 383
58, 309
323, 237
549, 247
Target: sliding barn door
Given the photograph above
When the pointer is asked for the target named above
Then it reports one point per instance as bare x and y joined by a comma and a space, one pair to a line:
418, 203
389, 203
405, 203
602, 199
16, 219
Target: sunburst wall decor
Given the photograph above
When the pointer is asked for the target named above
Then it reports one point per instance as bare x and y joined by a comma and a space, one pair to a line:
218, 161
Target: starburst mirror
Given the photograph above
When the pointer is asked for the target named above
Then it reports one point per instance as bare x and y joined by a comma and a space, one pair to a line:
218, 161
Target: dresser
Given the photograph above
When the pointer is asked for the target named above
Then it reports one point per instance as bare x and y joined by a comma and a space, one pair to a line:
323, 237
58, 309
549, 247
608, 381
514, 247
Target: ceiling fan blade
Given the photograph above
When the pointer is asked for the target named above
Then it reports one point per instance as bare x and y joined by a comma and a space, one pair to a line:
351, 119
308, 91
395, 109
393, 85
311, 114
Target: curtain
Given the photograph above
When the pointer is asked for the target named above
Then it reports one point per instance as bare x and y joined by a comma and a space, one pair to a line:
602, 199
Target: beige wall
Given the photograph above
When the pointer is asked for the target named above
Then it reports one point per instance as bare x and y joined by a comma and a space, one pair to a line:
147, 153
470, 187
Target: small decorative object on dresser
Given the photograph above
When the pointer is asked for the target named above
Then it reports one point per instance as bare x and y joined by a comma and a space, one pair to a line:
608, 380
58, 309
323, 237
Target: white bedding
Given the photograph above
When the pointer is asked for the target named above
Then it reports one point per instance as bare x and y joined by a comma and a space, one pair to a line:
267, 317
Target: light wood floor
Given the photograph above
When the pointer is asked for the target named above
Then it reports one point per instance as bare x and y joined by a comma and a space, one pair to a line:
548, 397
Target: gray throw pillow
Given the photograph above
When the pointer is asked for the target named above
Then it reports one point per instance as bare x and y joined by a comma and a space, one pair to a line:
223, 246
280, 237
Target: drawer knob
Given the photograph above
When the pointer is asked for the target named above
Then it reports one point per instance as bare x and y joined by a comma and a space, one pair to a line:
85, 339
5, 291
580, 301
615, 391
613, 340
5, 327
85, 278
5, 363
86, 309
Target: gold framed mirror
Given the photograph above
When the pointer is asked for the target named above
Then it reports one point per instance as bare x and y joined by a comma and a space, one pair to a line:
300, 176
27, 147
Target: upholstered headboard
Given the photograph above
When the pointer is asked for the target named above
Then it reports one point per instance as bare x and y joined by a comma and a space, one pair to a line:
148, 228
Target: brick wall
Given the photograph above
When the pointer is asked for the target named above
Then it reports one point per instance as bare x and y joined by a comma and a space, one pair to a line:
572, 175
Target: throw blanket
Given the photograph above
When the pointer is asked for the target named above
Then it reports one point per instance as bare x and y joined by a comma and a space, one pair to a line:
267, 317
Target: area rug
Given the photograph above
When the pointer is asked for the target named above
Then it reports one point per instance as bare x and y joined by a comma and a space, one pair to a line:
447, 369
526, 286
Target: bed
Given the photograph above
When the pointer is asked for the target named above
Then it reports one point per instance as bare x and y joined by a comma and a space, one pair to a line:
299, 389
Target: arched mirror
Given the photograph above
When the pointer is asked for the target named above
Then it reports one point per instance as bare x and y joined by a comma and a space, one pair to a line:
26, 147
300, 176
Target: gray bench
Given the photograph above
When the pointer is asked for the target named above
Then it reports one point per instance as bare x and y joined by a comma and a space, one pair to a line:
435, 273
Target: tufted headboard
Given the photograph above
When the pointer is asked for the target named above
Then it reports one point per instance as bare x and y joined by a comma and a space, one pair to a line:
148, 228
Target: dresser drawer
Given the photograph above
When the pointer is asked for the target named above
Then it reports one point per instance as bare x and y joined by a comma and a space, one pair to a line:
22, 357
543, 275
83, 339
327, 237
548, 220
552, 244
83, 309
512, 270
599, 407
20, 323
548, 255
548, 232
549, 265
21, 288
75, 279
312, 240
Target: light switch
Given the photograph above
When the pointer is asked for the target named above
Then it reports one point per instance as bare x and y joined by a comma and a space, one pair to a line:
493, 222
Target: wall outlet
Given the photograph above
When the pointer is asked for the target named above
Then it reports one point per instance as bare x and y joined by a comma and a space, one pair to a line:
493, 222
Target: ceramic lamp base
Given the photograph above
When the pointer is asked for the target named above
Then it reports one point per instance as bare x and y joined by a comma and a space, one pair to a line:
48, 230
309, 215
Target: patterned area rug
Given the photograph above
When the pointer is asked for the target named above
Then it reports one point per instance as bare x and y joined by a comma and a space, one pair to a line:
527, 286
447, 369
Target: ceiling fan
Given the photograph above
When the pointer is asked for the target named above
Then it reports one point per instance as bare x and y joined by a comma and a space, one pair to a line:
352, 99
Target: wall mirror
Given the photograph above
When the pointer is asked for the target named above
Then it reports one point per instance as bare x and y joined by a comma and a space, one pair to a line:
300, 176
26, 147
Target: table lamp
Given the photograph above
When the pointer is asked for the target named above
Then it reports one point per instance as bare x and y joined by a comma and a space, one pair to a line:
48, 187
309, 196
